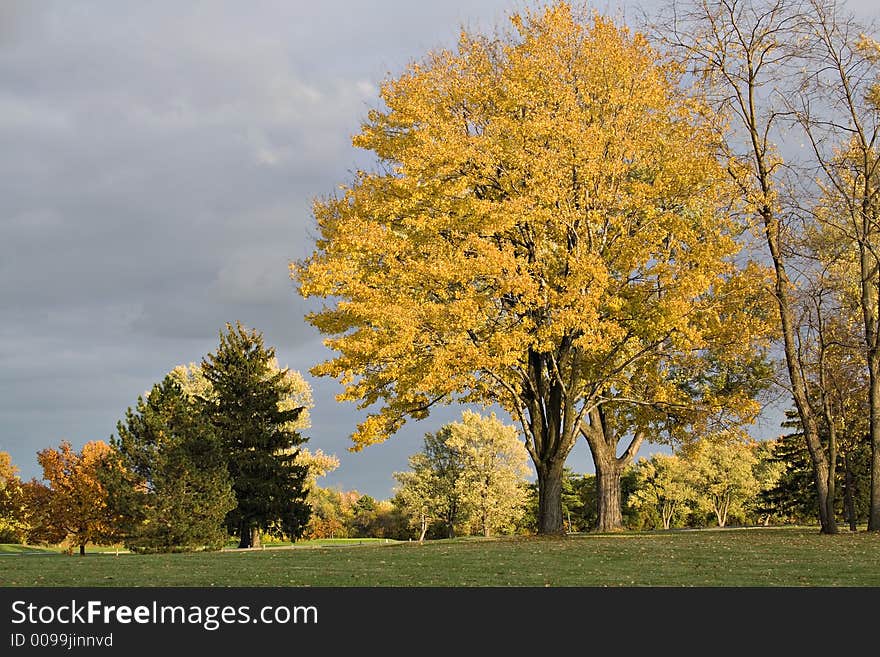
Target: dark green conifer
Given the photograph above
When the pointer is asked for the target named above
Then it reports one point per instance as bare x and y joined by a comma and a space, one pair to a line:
256, 436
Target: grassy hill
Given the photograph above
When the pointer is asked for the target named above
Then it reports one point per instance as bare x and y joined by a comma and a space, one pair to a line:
733, 557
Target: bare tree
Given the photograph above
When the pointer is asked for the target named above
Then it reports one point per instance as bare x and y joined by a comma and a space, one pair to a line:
747, 52
830, 355
839, 109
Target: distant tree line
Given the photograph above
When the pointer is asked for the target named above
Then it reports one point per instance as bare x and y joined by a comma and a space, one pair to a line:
212, 450
468, 479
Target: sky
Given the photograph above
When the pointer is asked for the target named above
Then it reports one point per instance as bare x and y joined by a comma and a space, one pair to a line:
157, 170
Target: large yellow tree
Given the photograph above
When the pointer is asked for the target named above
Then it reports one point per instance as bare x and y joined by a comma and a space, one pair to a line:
546, 229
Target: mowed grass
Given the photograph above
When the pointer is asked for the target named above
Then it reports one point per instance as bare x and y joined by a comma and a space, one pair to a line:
729, 558
11, 548
322, 541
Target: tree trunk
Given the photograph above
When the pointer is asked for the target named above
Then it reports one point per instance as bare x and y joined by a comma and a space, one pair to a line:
831, 427
874, 396
721, 517
827, 524
244, 534
452, 513
609, 468
255, 538
424, 528
547, 418
550, 497
666, 513
82, 550
830, 502
798, 386
610, 517
849, 500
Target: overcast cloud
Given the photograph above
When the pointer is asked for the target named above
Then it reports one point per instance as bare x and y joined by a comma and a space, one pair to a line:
157, 168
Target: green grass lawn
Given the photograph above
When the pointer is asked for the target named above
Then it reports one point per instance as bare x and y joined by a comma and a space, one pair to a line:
735, 557
321, 542
9, 548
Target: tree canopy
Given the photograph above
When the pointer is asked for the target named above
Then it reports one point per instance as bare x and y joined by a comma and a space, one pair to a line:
663, 486
470, 474
720, 471
547, 229
72, 505
496, 468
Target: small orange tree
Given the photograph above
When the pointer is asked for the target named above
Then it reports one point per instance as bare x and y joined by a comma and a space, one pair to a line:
73, 506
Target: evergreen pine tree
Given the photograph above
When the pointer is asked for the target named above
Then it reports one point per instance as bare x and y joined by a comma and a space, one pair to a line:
794, 496
166, 476
246, 411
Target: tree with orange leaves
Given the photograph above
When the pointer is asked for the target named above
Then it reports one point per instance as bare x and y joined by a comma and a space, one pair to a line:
73, 506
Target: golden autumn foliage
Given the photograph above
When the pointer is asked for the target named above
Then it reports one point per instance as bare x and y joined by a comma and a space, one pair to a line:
8, 471
12, 511
547, 229
298, 393
471, 473
73, 506
318, 463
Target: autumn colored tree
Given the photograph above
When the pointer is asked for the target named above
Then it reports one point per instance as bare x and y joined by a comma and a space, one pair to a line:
471, 474
250, 411
333, 512
768, 62
495, 469
415, 496
12, 509
547, 230
434, 488
839, 110
37, 502
318, 464
72, 506
720, 470
663, 485
167, 475
389, 521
